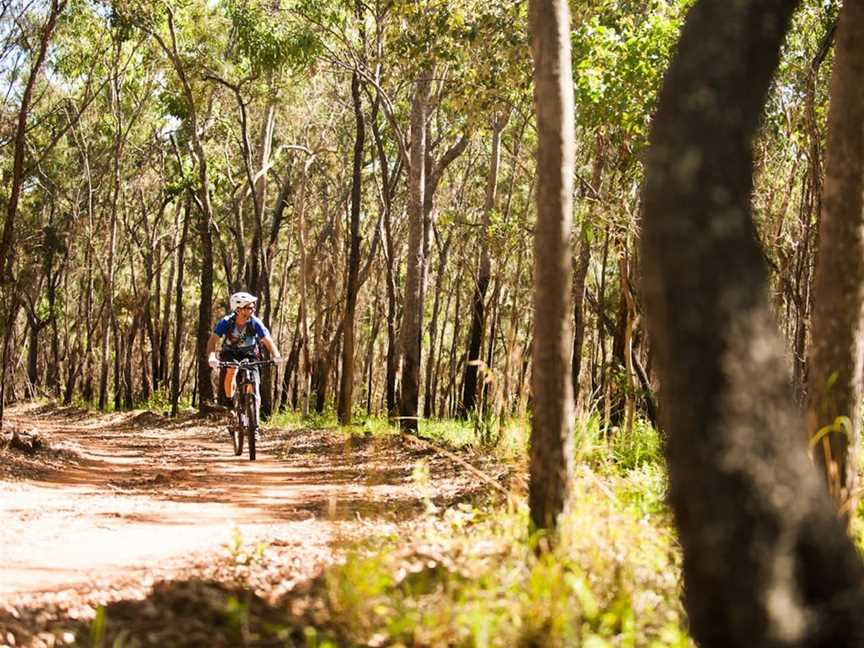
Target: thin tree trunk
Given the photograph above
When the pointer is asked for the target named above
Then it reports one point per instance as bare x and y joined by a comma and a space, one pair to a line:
478, 302
429, 394
600, 380
580, 273
205, 305
118, 377
128, 384
811, 205
305, 373
447, 397
178, 313
551, 453
166, 380
109, 318
412, 316
346, 383
370, 359
631, 319
7, 248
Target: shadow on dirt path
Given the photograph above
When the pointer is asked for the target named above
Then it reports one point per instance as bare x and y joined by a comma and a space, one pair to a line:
119, 502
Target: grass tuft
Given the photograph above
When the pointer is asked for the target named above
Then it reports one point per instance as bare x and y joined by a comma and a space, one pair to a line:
471, 577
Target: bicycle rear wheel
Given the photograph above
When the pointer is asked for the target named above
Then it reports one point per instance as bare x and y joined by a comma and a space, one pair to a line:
251, 424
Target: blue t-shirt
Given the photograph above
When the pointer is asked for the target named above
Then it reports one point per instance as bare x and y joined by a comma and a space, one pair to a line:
245, 338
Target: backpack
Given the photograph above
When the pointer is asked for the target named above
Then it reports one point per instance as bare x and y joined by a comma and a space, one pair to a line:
248, 331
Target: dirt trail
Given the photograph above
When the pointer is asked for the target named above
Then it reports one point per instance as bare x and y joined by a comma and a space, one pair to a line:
121, 501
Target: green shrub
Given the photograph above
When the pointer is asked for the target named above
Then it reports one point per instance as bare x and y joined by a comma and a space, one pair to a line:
471, 577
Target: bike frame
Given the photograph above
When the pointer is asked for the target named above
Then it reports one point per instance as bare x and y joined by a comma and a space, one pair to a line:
247, 401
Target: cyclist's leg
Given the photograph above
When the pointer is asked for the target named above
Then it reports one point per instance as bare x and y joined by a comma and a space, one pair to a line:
230, 373
228, 355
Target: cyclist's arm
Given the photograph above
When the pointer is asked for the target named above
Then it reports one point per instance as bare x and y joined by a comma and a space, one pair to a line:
211, 343
268, 342
211, 346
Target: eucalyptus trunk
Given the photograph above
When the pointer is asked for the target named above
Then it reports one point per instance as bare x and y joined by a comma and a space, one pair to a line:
766, 562
346, 383
202, 195
429, 393
551, 453
178, 312
109, 320
836, 375
412, 316
580, 272
484, 272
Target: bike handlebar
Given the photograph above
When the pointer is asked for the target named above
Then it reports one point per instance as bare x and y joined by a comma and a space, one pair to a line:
247, 363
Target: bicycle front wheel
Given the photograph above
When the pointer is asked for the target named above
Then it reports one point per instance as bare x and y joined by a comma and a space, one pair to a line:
238, 432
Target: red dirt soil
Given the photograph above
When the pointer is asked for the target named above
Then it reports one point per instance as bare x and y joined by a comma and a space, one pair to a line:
113, 504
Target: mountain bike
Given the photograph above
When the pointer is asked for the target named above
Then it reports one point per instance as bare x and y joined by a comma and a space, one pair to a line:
245, 424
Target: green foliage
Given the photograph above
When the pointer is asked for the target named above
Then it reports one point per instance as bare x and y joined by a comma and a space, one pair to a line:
452, 433
619, 56
242, 553
270, 40
292, 419
470, 577
616, 448
97, 628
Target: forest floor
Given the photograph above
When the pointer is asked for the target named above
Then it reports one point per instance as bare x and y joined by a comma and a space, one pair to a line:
152, 528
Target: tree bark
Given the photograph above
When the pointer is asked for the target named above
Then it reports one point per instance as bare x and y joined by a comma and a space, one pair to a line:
178, 314
412, 316
551, 453
429, 393
580, 272
836, 375
109, 318
766, 562
346, 382
484, 272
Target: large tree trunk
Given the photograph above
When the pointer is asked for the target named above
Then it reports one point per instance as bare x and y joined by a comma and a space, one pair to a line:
551, 458
835, 376
346, 382
412, 316
766, 562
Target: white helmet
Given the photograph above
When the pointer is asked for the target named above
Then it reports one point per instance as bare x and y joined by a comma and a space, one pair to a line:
240, 299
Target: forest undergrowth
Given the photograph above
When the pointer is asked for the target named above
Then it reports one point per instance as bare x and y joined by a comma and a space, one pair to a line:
464, 572
471, 575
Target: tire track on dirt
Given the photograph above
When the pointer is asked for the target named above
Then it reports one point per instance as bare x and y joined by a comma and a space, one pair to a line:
137, 493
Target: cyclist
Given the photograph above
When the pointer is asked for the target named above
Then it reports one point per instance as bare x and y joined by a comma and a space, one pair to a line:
242, 334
